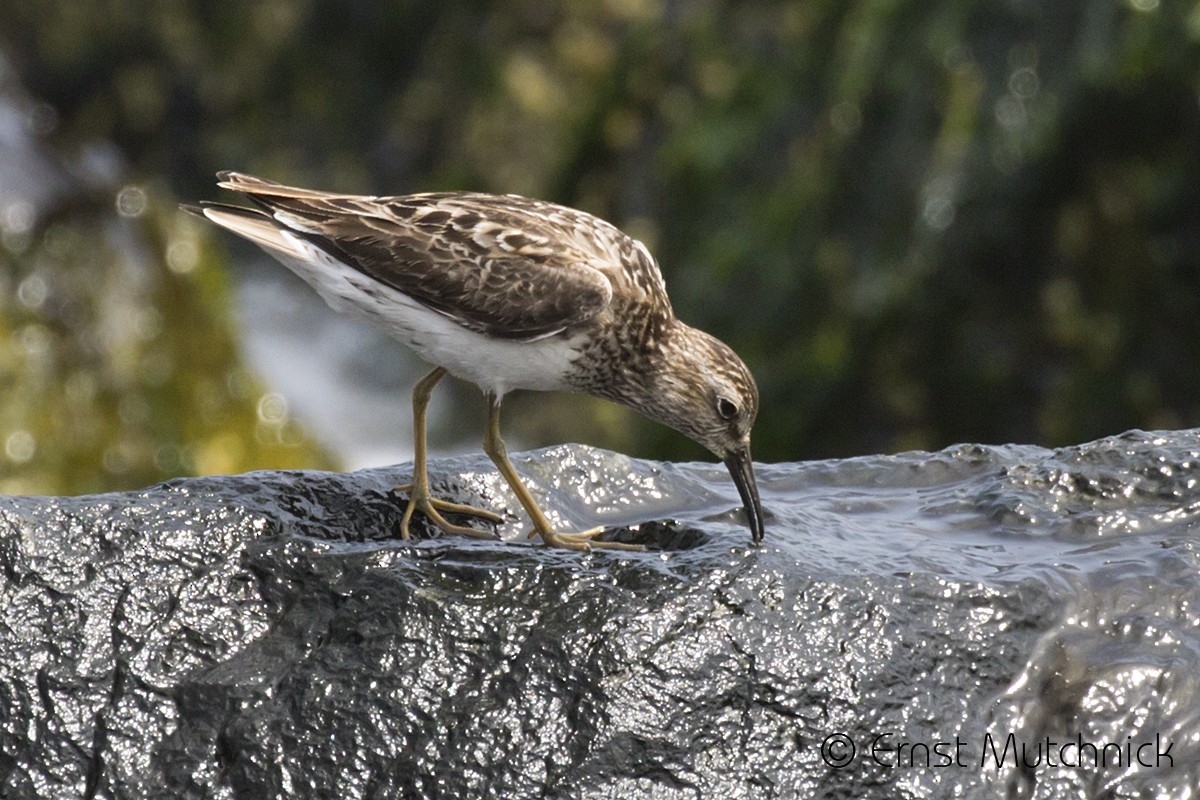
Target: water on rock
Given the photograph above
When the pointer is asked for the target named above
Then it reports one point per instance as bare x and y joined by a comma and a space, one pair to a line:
977, 622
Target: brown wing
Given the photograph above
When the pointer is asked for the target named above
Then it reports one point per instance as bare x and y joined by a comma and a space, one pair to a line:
502, 265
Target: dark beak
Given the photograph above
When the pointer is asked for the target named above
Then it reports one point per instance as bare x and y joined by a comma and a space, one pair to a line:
742, 469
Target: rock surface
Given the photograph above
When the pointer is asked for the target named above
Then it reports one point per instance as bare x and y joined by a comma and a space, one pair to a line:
267, 635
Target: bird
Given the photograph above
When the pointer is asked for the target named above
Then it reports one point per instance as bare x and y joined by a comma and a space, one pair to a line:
508, 293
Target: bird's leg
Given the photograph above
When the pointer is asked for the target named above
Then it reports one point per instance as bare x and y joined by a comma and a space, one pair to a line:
493, 445
419, 498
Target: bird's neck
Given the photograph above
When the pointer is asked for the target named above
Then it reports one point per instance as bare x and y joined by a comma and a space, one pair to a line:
623, 361
666, 360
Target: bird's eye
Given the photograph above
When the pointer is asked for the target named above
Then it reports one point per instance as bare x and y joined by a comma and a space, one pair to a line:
726, 408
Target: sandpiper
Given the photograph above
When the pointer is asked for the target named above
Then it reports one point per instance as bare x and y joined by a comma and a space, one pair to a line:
508, 293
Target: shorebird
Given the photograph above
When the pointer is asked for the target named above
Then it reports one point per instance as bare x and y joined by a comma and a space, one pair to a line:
508, 293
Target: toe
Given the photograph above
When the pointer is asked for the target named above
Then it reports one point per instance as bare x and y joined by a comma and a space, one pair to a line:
584, 540
447, 507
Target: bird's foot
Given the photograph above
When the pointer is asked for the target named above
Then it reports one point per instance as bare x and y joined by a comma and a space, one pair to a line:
583, 540
419, 499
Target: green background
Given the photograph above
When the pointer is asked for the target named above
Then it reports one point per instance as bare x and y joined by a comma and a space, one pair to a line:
919, 223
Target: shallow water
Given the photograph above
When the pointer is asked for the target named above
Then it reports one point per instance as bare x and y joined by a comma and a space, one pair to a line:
910, 624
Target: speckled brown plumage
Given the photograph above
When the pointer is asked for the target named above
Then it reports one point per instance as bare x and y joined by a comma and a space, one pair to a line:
502, 265
529, 294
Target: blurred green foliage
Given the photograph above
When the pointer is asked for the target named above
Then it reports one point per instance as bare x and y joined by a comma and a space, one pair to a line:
117, 361
919, 223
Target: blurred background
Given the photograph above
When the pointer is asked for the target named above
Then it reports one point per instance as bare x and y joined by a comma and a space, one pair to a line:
920, 223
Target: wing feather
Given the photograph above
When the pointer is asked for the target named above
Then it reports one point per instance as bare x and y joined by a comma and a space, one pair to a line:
502, 265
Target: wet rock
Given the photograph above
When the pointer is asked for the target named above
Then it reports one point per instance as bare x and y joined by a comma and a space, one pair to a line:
268, 635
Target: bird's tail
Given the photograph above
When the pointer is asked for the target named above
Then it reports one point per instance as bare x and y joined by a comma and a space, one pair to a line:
250, 223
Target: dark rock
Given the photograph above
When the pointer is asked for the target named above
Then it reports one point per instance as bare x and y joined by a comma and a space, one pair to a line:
267, 635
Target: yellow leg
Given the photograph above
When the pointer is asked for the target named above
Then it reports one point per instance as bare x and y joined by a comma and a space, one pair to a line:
493, 445
419, 498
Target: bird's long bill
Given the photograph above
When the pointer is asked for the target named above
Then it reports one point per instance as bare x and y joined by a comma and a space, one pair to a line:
742, 469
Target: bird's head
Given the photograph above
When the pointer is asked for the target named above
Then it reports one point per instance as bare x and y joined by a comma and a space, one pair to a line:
703, 390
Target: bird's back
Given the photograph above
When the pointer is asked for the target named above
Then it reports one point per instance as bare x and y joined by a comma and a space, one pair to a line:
503, 265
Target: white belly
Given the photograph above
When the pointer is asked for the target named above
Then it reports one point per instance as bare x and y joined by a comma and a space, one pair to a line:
495, 365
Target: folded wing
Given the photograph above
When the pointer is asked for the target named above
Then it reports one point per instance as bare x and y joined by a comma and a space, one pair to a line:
501, 265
